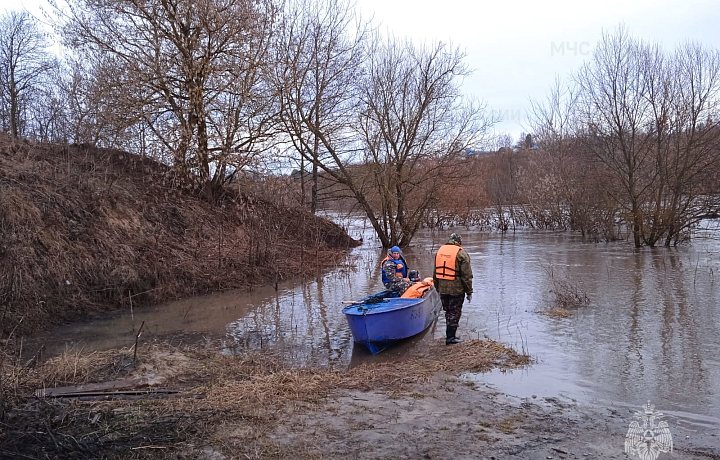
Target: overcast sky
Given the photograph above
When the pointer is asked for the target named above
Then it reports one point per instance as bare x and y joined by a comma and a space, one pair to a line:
517, 47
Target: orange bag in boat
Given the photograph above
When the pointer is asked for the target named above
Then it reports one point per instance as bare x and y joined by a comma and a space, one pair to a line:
418, 289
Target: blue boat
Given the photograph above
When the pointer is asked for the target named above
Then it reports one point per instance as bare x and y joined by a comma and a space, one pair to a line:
382, 319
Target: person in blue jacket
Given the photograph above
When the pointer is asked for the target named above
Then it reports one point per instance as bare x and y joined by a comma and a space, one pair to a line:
395, 271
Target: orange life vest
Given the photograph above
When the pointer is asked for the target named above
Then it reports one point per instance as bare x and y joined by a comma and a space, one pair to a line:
445, 262
418, 289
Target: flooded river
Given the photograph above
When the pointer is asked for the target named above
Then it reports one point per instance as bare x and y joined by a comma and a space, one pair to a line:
651, 331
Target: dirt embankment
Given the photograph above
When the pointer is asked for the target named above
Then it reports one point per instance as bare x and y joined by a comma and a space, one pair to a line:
85, 230
195, 402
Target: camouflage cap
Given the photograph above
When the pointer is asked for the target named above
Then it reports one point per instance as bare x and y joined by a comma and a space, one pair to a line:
455, 238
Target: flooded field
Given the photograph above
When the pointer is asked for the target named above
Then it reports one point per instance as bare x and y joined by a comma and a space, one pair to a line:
649, 332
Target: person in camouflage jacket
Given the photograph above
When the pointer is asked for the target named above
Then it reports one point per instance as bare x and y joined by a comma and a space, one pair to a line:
395, 271
453, 280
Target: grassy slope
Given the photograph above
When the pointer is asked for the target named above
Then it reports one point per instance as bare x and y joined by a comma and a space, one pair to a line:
85, 230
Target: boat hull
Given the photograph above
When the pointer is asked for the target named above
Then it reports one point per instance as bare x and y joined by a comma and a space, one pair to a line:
379, 321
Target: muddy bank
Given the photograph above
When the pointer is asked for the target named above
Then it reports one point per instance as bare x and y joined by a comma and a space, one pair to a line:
452, 418
253, 406
85, 230
227, 404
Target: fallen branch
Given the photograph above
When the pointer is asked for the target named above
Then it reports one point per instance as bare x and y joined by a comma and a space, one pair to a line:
91, 387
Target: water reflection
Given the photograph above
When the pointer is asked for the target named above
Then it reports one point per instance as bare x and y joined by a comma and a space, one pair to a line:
650, 332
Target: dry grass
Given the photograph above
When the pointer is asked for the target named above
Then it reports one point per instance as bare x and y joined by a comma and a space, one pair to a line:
557, 312
86, 230
253, 391
472, 356
507, 426
567, 295
77, 367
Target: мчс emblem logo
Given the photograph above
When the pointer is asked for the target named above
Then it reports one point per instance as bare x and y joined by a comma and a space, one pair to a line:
646, 439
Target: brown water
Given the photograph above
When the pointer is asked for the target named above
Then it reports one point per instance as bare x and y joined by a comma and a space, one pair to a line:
650, 332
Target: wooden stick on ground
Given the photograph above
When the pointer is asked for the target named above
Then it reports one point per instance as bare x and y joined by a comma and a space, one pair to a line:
136, 342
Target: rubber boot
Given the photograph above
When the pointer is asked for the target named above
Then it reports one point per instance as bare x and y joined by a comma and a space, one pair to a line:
450, 334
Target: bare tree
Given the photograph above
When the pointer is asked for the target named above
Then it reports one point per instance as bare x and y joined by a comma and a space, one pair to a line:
552, 120
24, 65
47, 113
416, 127
190, 70
650, 119
97, 109
562, 185
318, 54
382, 119
504, 141
614, 113
688, 142
502, 188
